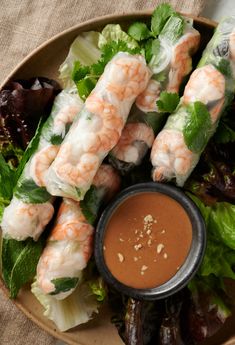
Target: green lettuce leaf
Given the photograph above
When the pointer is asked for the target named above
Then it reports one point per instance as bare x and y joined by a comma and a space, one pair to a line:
219, 258
90, 204
197, 129
74, 310
85, 50
19, 262
113, 33
173, 29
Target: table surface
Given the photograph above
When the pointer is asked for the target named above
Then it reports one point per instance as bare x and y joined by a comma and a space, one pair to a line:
214, 9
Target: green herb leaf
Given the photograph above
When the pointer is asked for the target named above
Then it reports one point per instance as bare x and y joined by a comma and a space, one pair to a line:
90, 204
197, 129
86, 77
31, 148
27, 191
19, 262
7, 179
168, 102
224, 134
223, 65
152, 47
159, 17
139, 31
85, 86
98, 289
174, 28
64, 284
79, 72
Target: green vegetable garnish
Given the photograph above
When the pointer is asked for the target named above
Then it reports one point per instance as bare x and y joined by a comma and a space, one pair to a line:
86, 77
27, 191
174, 28
159, 17
197, 129
139, 31
90, 204
64, 284
19, 262
168, 102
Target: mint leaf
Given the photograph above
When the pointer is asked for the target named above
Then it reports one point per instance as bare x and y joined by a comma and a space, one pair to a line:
223, 66
64, 284
27, 191
197, 129
168, 102
90, 204
174, 28
159, 17
19, 262
224, 134
139, 31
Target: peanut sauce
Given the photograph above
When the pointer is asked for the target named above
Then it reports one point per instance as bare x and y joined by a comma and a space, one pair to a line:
147, 239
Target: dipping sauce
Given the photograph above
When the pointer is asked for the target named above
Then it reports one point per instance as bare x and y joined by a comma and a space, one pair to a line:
147, 239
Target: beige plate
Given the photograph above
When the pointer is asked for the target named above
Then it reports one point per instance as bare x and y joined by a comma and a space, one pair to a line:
45, 61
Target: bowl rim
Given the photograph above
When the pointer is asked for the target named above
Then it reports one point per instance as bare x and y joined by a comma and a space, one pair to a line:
192, 261
98, 21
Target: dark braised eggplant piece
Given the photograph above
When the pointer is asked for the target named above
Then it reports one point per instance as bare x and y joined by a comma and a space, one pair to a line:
22, 104
170, 331
133, 323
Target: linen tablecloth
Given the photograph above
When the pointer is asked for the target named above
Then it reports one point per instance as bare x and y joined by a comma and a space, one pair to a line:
24, 25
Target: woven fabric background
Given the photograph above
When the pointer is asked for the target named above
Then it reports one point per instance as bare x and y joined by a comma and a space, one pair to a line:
24, 25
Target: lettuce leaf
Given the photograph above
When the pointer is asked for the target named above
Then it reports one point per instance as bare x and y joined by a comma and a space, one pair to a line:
113, 33
219, 258
84, 49
76, 309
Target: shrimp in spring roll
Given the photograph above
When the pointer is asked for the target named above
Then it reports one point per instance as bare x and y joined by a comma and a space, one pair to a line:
174, 64
31, 207
177, 148
99, 126
69, 246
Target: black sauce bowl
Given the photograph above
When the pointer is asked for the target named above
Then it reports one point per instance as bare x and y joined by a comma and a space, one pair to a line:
193, 259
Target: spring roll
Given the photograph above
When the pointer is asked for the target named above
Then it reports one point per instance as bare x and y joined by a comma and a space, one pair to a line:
99, 126
177, 148
31, 208
174, 63
70, 245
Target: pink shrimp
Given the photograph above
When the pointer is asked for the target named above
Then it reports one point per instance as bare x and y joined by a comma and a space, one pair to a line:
181, 62
206, 85
107, 179
69, 246
146, 101
111, 124
79, 173
41, 162
136, 138
130, 76
170, 156
21, 220
64, 117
